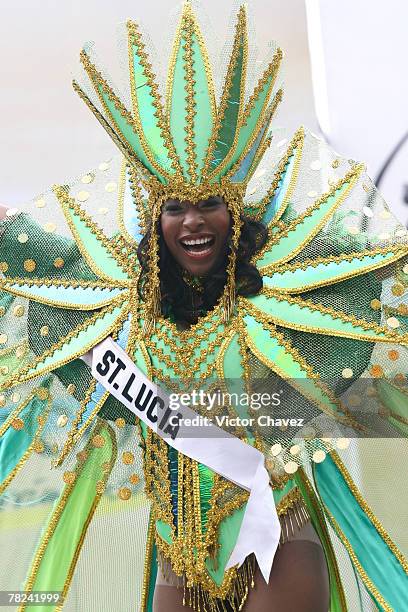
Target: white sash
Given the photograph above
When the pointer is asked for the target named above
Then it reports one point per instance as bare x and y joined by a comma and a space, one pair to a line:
212, 446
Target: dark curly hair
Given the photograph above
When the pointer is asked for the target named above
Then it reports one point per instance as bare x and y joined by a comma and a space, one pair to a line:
178, 295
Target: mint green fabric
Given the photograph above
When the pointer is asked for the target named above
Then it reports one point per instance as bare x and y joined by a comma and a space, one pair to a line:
372, 552
59, 557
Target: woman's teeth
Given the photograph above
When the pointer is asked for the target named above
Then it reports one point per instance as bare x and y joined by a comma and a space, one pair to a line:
199, 245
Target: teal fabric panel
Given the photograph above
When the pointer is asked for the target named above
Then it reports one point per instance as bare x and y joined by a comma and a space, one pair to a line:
369, 547
324, 273
280, 193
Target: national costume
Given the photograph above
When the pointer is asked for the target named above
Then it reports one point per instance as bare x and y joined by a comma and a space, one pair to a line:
328, 331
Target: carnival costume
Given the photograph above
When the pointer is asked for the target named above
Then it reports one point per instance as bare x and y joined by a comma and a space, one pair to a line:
331, 313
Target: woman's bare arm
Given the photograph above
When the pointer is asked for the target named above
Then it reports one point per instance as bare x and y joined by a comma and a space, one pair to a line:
3, 210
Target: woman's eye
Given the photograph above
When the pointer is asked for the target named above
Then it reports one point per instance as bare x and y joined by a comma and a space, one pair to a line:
211, 203
173, 207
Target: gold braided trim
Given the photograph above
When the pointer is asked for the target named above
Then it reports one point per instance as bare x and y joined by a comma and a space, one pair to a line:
348, 181
122, 144
263, 145
57, 513
295, 148
135, 39
136, 197
380, 334
240, 39
99, 83
270, 72
136, 181
6, 283
147, 566
366, 508
68, 203
323, 526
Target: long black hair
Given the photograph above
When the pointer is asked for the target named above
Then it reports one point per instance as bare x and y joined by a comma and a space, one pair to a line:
177, 295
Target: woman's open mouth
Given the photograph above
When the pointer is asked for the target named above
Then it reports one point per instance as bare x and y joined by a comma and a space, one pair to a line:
198, 247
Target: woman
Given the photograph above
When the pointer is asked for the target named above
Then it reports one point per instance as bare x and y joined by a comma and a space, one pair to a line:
191, 288
196, 237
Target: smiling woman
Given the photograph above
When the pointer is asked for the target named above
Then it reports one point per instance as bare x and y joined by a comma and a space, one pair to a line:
194, 249
230, 264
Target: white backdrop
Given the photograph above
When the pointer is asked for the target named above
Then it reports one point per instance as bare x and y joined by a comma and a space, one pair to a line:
47, 135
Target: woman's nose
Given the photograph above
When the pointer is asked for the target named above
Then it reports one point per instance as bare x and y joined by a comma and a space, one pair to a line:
193, 218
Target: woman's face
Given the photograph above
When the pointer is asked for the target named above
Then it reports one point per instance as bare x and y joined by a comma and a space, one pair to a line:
195, 234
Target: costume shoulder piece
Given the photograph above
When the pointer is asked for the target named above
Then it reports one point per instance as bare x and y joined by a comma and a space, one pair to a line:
328, 326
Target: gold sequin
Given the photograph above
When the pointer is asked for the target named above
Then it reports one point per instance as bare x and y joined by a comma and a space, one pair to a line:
42, 393
44, 330
347, 373
20, 351
120, 422
62, 420
134, 479
49, 227
83, 196
2, 311
40, 203
291, 467
17, 424
29, 265
98, 441
41, 420
69, 477
38, 446
58, 262
335, 163
376, 371
82, 455
71, 389
54, 449
375, 304
342, 443
393, 355
128, 457
400, 379
403, 309
276, 449
87, 178
18, 311
124, 493
4, 266
366, 187
22, 238
110, 187
398, 289
2, 400
4, 370
319, 456
295, 449
393, 322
